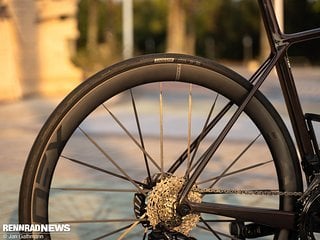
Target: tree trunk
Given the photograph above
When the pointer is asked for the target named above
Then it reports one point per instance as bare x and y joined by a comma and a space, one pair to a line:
92, 34
176, 28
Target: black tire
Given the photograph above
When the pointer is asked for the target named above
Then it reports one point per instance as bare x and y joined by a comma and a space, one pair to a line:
56, 137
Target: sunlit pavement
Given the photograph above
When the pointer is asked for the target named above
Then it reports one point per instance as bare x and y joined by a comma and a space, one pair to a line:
20, 122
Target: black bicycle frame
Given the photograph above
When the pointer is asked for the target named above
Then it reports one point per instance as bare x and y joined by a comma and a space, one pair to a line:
277, 41
279, 44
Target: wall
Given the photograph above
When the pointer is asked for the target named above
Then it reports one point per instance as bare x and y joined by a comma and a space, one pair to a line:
38, 38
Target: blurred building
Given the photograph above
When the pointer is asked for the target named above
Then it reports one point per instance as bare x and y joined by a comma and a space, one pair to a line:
37, 43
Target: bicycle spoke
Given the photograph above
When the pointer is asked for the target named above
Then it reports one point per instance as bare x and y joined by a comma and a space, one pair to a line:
145, 234
202, 135
113, 232
218, 232
189, 131
111, 160
140, 135
127, 227
100, 169
211, 150
161, 129
93, 189
131, 136
237, 171
209, 228
97, 221
131, 227
235, 160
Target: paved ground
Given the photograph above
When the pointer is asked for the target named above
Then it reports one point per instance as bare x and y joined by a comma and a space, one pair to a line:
20, 122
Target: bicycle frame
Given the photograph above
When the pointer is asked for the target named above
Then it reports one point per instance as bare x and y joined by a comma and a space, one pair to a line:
279, 44
279, 41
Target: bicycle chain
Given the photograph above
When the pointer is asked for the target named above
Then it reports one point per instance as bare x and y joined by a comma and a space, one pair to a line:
249, 192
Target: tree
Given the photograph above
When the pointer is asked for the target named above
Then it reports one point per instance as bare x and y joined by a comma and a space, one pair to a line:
99, 24
150, 20
307, 10
176, 26
92, 33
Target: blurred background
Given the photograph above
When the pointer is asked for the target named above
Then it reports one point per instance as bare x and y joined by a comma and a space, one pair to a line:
49, 46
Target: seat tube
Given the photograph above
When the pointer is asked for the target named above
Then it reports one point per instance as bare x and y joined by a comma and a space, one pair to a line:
277, 43
295, 111
270, 23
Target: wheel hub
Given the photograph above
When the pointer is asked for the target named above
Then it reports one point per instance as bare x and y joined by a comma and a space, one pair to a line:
162, 202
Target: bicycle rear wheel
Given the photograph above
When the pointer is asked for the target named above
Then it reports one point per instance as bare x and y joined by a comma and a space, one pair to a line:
120, 146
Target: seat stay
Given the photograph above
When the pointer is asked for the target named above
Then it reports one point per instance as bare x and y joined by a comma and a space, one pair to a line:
206, 157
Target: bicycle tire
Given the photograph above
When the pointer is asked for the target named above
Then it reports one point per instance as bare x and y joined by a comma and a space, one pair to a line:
71, 112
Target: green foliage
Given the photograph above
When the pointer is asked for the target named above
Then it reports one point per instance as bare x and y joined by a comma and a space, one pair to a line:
109, 35
218, 25
211, 22
316, 6
109, 20
302, 15
150, 24
230, 22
